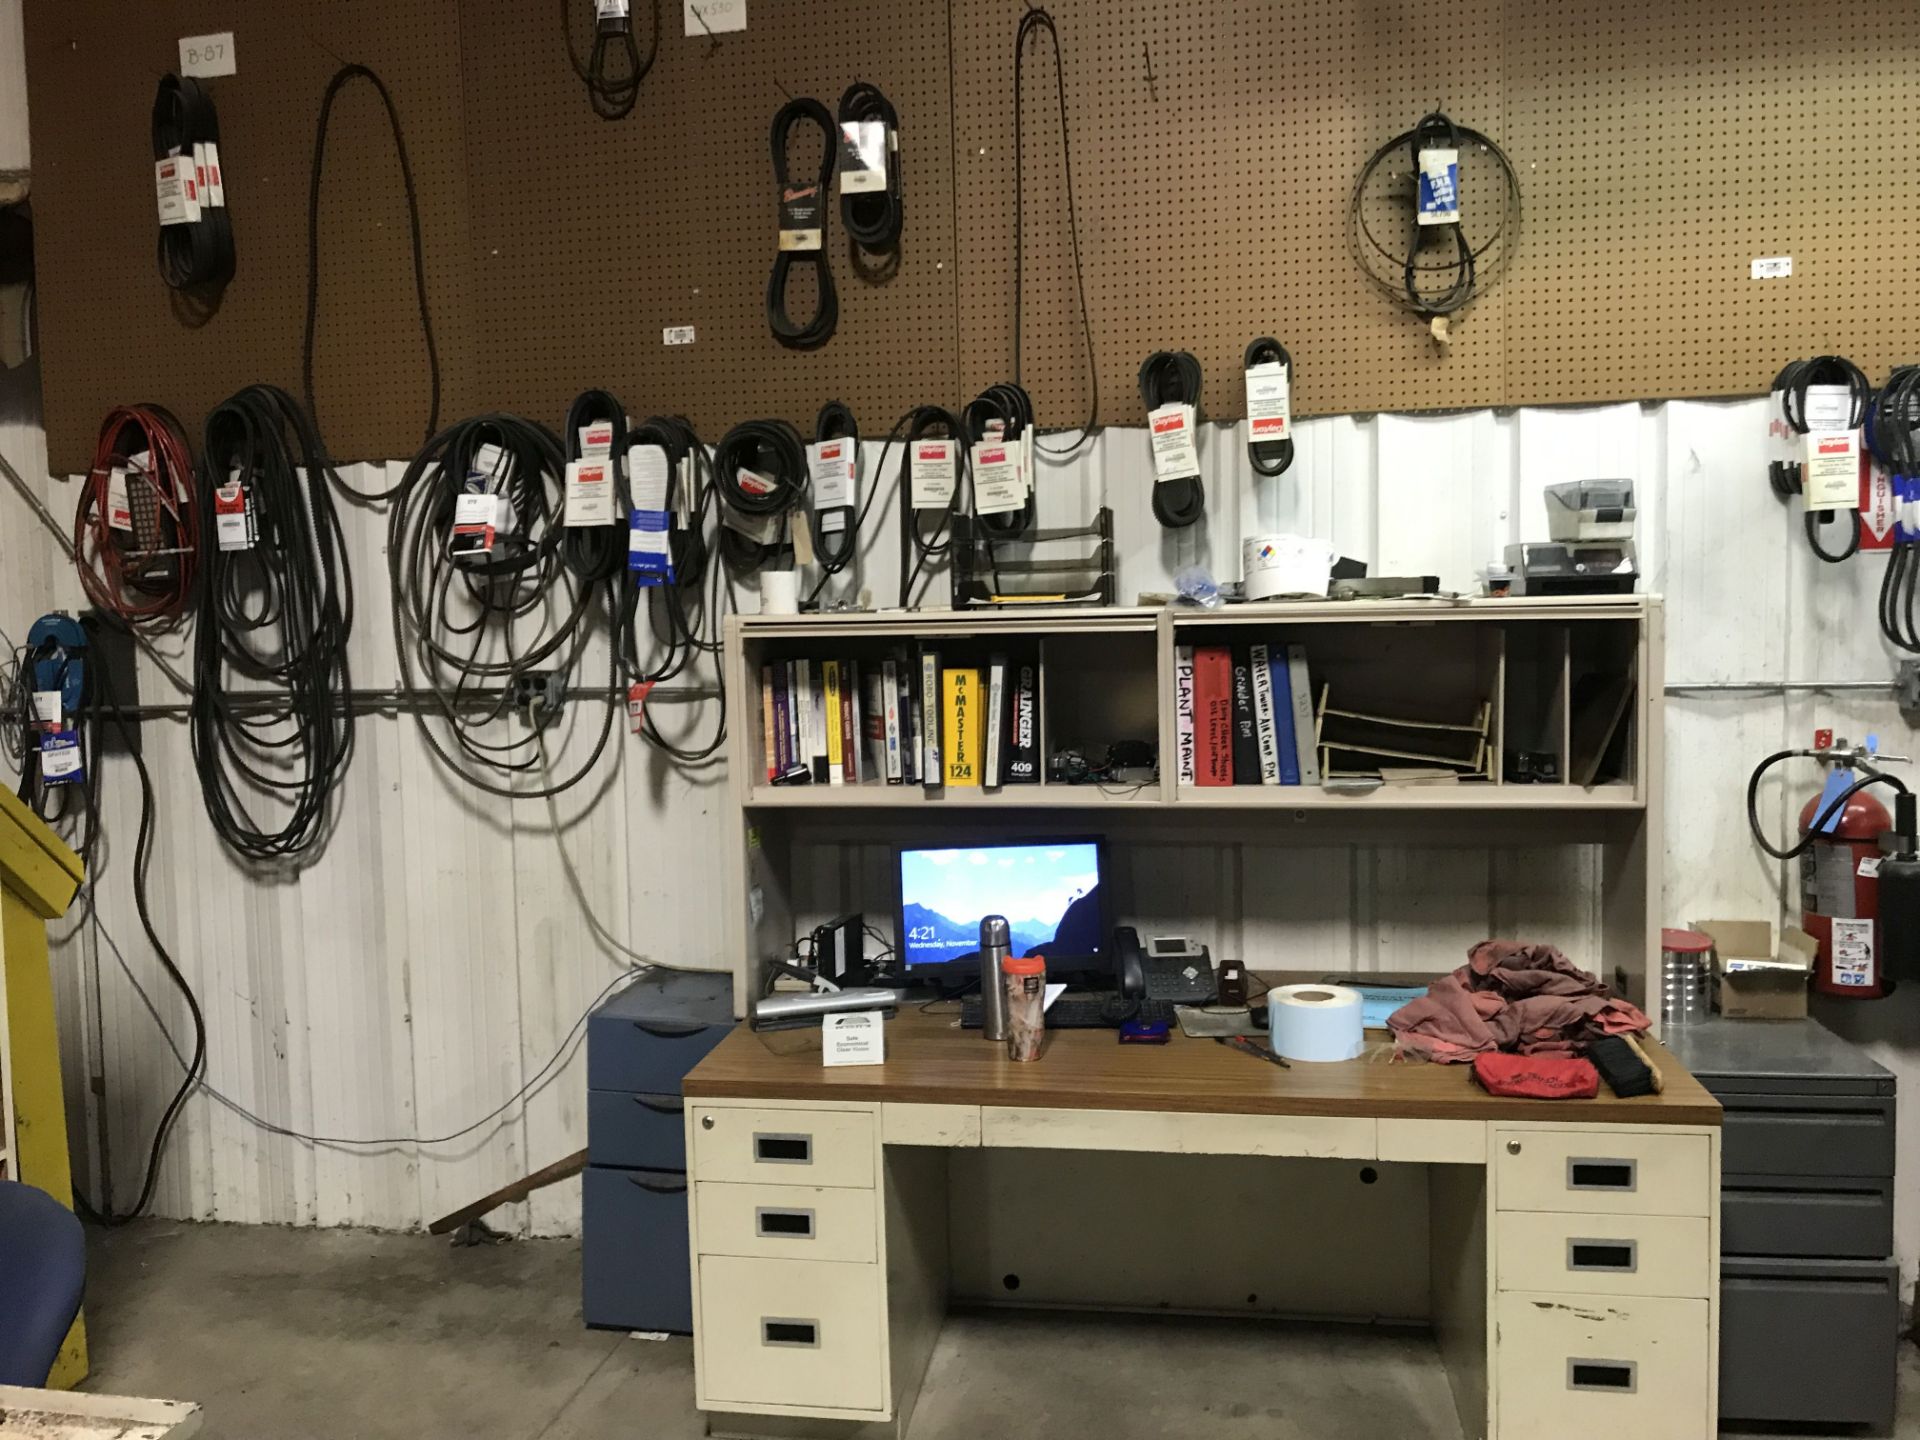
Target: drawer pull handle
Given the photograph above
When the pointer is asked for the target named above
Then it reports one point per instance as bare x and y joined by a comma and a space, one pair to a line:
783, 1149
791, 1334
1612, 1175
1618, 1257
671, 1107
783, 1224
679, 1189
1616, 1377
667, 1032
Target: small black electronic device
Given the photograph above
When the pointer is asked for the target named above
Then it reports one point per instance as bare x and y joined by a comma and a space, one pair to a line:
839, 949
1169, 967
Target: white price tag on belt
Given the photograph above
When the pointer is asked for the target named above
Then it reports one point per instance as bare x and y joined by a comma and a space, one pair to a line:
610, 9
119, 509
171, 177
475, 517
1175, 456
933, 474
232, 517
996, 479
1830, 471
216, 182
753, 482
761, 529
863, 156
830, 470
596, 440
589, 493
60, 757
1439, 187
1269, 401
46, 707
1828, 407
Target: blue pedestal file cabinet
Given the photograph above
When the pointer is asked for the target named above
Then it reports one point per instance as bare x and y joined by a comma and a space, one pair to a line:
640, 1046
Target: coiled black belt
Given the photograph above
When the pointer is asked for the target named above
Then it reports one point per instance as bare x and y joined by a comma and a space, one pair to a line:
873, 218
1791, 385
1172, 377
775, 483
835, 546
1269, 457
1893, 434
1013, 409
611, 98
928, 422
596, 552
826, 315
195, 252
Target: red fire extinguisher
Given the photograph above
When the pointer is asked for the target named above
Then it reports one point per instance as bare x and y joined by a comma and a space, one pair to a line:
1840, 855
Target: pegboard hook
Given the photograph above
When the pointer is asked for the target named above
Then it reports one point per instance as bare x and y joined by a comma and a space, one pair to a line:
1153, 87
713, 40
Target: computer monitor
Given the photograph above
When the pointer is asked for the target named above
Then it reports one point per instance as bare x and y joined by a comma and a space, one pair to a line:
1051, 892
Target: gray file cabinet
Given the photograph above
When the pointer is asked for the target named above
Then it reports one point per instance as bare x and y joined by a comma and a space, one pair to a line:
640, 1046
1809, 1292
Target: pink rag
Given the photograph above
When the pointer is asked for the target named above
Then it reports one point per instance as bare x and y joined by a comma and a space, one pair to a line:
1525, 999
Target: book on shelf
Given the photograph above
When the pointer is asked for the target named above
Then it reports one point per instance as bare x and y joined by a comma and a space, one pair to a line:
821, 764
796, 740
995, 723
1023, 725
1183, 732
889, 701
852, 737
960, 724
802, 704
873, 718
931, 773
1280, 684
1246, 739
1306, 736
782, 753
768, 749
1213, 715
1266, 734
835, 699
905, 693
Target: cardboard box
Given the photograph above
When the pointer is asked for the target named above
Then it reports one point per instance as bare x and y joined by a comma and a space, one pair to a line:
1755, 978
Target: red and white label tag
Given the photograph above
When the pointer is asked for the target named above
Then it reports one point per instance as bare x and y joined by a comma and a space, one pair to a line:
1269, 401
119, 509
596, 440
473, 521
232, 522
637, 704
1175, 456
589, 493
1876, 505
830, 469
1830, 471
754, 483
996, 480
933, 474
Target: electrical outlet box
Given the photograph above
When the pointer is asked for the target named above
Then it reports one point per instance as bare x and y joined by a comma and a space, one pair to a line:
540, 693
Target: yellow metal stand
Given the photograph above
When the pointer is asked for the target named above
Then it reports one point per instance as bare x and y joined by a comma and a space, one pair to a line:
39, 877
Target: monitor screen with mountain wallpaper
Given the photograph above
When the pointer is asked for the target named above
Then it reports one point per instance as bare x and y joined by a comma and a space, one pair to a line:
1049, 890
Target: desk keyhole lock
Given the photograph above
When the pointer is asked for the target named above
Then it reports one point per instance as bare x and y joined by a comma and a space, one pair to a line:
1513, 1147
706, 1122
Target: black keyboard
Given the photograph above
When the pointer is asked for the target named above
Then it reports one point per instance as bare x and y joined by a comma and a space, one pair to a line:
1084, 1012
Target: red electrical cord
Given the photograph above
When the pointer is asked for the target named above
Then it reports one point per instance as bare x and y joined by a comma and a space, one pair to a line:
136, 538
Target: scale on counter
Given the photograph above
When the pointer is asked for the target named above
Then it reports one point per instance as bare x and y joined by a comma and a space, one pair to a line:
1591, 549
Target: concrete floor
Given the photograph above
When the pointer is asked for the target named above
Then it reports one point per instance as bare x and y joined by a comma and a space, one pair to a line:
292, 1334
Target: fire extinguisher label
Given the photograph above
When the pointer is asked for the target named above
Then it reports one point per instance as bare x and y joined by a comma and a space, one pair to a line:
1826, 881
1853, 952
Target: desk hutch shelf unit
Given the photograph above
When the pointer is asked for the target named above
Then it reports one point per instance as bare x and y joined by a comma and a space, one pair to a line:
1577, 679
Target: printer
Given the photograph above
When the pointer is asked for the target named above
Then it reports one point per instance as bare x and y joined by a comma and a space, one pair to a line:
1590, 546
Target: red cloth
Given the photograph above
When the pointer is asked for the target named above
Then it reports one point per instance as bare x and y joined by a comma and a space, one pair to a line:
1527, 999
1536, 1077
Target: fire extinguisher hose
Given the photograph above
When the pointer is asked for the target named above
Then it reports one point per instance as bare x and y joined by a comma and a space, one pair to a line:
1820, 823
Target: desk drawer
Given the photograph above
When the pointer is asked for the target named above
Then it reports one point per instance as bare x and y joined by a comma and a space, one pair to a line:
1805, 1216
1807, 1135
1578, 1368
783, 1147
1604, 1254
1602, 1171
644, 1131
634, 1270
1813, 1342
790, 1333
789, 1222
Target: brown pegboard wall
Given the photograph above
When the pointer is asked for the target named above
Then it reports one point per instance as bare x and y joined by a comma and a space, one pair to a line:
1669, 145
110, 332
1660, 148
1212, 197
591, 237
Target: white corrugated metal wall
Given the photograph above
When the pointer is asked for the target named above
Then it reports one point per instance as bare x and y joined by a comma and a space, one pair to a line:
434, 959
